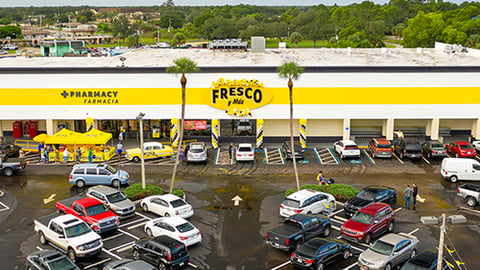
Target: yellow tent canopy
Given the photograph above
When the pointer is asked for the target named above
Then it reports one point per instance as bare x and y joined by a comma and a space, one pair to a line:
64, 136
94, 136
41, 138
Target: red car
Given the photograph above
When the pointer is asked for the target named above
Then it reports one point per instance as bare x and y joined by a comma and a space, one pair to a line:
461, 149
368, 222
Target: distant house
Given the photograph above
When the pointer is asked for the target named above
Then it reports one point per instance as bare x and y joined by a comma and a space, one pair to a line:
61, 48
83, 30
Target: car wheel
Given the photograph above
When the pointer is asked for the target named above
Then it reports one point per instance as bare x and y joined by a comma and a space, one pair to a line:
390, 226
319, 266
136, 159
71, 254
456, 155
413, 253
61, 212
471, 202
116, 183
309, 213
161, 266
388, 267
8, 171
29, 268
453, 178
327, 231
80, 183
342, 156
145, 207
368, 238
401, 155
167, 215
43, 240
136, 255
346, 254
149, 232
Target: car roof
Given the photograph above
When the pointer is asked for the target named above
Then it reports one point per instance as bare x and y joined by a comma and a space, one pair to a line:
103, 189
152, 144
348, 142
461, 142
373, 208
394, 238
88, 201
167, 197
377, 188
382, 140
197, 145
426, 258
303, 194
245, 145
90, 165
167, 241
67, 219
173, 220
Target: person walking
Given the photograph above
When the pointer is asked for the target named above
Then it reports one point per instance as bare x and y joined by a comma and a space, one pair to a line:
21, 153
65, 155
408, 196
40, 149
415, 193
119, 149
45, 155
181, 156
90, 155
230, 150
79, 155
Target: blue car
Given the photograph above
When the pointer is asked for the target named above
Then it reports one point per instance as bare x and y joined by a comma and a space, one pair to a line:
97, 174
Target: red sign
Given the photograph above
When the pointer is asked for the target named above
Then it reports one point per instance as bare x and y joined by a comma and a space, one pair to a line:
195, 125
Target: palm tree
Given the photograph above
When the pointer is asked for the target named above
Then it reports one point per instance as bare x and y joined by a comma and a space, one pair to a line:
182, 66
291, 71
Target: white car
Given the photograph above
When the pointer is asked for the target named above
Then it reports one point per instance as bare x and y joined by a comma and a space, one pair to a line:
307, 201
175, 227
476, 144
245, 152
167, 205
347, 149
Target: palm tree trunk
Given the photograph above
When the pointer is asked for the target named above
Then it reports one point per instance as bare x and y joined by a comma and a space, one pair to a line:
294, 160
183, 81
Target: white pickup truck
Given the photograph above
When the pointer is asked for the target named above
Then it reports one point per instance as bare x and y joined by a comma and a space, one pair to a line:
68, 233
470, 193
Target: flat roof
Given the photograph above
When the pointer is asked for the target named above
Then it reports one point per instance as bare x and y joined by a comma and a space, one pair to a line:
323, 57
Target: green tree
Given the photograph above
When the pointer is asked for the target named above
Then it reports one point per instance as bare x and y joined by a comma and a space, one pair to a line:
179, 39
81, 19
423, 30
219, 28
181, 66
296, 37
291, 71
121, 28
12, 31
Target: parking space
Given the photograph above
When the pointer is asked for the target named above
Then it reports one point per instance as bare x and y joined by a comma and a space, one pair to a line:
326, 156
273, 155
222, 157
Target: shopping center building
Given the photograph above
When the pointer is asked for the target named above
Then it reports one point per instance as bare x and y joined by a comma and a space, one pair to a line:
342, 93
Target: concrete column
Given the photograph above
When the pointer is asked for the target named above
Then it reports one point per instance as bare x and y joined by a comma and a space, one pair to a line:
388, 128
346, 129
50, 128
476, 129
1, 131
433, 128
95, 124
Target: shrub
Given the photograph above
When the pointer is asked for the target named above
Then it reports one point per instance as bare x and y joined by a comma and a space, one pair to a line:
339, 191
178, 192
136, 192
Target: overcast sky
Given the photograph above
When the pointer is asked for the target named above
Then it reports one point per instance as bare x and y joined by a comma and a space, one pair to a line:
110, 3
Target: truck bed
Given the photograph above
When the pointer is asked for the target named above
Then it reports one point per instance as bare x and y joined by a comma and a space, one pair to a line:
69, 201
46, 219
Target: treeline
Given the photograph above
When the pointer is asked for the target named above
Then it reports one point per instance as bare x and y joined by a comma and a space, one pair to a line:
419, 23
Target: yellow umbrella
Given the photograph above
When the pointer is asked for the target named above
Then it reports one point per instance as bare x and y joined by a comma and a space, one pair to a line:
41, 138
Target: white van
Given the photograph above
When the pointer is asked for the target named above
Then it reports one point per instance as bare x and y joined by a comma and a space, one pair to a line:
455, 169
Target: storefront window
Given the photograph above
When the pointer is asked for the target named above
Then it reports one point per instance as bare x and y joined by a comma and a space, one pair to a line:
238, 127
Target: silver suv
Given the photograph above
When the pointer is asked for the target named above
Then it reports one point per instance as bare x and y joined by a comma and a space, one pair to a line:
197, 152
114, 199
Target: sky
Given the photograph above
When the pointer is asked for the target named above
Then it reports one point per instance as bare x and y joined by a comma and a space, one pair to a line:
112, 3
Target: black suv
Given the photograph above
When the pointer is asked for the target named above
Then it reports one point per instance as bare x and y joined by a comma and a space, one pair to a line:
163, 251
287, 150
49, 260
409, 148
369, 195
425, 260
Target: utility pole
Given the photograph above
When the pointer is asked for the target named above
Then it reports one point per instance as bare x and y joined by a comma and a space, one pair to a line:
140, 117
440, 243
169, 33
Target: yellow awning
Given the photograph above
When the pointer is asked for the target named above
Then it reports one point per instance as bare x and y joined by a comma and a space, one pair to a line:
64, 136
94, 136
41, 138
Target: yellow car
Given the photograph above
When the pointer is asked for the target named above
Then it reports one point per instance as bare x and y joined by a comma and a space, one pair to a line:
151, 150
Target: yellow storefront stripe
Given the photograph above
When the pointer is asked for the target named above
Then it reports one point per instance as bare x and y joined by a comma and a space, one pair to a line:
195, 96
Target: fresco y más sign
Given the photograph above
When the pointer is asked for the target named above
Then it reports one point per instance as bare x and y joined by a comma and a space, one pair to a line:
237, 97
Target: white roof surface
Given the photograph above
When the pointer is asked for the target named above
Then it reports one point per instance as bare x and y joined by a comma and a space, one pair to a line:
271, 57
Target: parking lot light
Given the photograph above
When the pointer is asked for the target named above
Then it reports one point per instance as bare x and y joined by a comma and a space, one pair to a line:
140, 117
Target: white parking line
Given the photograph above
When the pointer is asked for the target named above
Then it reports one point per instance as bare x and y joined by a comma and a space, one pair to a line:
112, 237
39, 248
334, 213
131, 222
5, 207
398, 158
398, 209
97, 263
280, 266
335, 228
137, 225
111, 254
129, 234
414, 231
138, 214
426, 160
340, 203
192, 265
350, 266
129, 244
341, 218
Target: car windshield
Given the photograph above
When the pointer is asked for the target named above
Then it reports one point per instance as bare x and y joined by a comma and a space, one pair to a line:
437, 145
177, 203
366, 195
465, 146
196, 150
412, 266
62, 263
96, 209
185, 227
111, 169
384, 146
382, 247
116, 197
291, 203
77, 230
244, 124
362, 218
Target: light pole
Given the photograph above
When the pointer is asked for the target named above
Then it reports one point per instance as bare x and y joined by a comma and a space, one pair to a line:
140, 117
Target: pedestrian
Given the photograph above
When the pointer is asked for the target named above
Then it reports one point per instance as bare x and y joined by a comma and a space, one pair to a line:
408, 196
79, 154
45, 155
415, 193
120, 136
21, 153
181, 155
65, 155
119, 149
40, 149
90, 155
321, 180
230, 150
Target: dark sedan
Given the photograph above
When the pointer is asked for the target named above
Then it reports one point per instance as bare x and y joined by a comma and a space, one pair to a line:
287, 150
426, 260
434, 149
316, 253
369, 195
49, 260
127, 264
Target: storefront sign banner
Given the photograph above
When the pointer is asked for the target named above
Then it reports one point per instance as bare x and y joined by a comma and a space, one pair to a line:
195, 125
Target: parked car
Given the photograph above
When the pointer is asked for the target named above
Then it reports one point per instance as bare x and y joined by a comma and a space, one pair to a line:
470, 193
407, 148
388, 252
298, 229
307, 201
244, 127
369, 195
316, 253
476, 144
347, 149
425, 260
11, 165
368, 222
162, 251
3, 52
49, 260
197, 152
455, 169
114, 200
10, 47
461, 149
127, 264
245, 152
380, 147
175, 227
151, 150
10, 150
434, 149
287, 150
97, 174
167, 205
